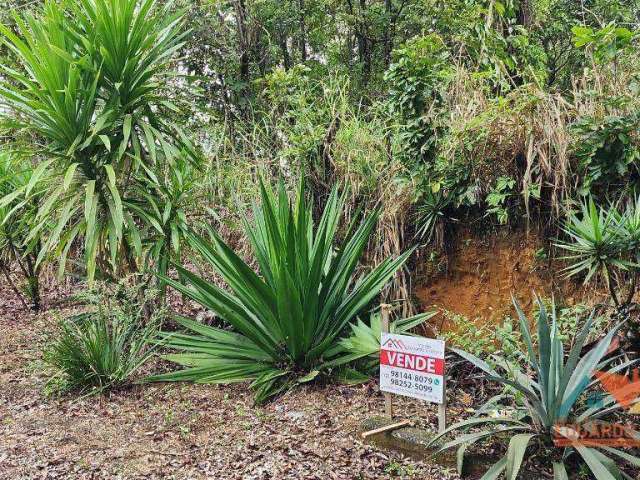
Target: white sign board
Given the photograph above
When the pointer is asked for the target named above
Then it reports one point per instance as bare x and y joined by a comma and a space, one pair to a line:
412, 366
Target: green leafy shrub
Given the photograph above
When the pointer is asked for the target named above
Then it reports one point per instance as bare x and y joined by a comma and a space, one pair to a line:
16, 218
90, 84
466, 334
544, 386
364, 341
104, 346
570, 318
287, 319
608, 151
417, 79
603, 44
482, 340
498, 199
299, 109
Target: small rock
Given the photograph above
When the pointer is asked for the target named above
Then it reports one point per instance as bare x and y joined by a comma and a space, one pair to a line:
294, 415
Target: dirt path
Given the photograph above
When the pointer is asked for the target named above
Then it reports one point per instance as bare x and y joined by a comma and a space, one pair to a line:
179, 430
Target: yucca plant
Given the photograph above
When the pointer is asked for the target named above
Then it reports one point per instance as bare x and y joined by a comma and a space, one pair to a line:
432, 212
287, 318
364, 340
104, 346
357, 356
545, 387
91, 87
604, 241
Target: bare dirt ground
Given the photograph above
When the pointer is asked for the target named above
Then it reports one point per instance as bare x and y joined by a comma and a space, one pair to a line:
182, 430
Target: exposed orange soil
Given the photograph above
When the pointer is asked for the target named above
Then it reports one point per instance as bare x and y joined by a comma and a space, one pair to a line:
483, 273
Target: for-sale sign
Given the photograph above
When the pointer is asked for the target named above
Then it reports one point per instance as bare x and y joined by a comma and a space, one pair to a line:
412, 366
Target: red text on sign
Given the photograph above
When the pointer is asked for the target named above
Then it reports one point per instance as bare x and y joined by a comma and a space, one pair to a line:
410, 361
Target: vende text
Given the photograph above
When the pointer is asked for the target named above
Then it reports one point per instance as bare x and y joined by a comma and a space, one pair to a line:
410, 361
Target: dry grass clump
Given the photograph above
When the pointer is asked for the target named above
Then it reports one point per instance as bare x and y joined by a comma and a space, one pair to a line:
527, 133
360, 156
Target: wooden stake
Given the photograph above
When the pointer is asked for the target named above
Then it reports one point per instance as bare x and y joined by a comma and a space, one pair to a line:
442, 407
386, 428
384, 324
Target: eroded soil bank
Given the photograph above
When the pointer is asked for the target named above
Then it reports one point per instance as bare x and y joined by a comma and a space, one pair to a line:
481, 272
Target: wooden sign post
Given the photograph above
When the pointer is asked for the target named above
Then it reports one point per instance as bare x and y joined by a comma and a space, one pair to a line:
384, 311
413, 367
442, 407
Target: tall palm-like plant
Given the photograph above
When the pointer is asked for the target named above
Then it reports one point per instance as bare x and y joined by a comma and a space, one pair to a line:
545, 386
90, 88
161, 200
287, 318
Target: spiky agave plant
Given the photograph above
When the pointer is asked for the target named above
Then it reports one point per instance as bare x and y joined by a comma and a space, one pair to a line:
432, 212
545, 387
597, 243
364, 340
287, 318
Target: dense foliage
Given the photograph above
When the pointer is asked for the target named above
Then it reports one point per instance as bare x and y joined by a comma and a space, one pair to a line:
500, 112
136, 135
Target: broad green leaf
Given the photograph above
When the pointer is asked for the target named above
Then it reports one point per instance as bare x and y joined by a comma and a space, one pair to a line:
515, 454
595, 465
106, 141
37, 175
496, 470
68, 176
559, 471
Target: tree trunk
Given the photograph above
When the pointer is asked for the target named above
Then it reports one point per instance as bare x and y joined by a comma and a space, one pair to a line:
33, 282
525, 16
286, 58
261, 54
364, 47
243, 41
303, 30
387, 33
